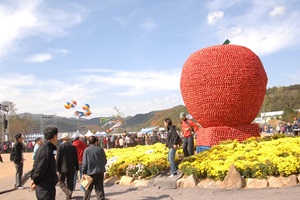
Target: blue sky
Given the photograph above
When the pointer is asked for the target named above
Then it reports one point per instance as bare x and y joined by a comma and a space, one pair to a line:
130, 53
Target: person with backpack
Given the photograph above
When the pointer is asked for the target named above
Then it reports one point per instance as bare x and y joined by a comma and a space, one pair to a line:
188, 129
172, 142
16, 156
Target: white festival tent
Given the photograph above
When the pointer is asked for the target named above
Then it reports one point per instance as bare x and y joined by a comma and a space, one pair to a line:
99, 134
89, 133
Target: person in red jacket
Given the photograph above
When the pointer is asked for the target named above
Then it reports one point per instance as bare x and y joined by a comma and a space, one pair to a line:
188, 129
80, 147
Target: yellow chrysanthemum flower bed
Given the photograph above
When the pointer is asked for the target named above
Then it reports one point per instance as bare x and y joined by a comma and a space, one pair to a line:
144, 161
254, 158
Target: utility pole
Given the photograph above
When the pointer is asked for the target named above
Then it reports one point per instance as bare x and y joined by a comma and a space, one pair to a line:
5, 121
48, 120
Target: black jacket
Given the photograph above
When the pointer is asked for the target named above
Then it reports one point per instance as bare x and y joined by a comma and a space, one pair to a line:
172, 137
44, 167
18, 152
66, 159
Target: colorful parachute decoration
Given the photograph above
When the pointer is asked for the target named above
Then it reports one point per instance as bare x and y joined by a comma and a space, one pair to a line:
73, 103
86, 109
119, 123
115, 121
87, 112
78, 114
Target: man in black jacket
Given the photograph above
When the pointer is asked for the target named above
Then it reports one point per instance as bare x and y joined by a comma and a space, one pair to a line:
67, 163
17, 158
93, 164
44, 169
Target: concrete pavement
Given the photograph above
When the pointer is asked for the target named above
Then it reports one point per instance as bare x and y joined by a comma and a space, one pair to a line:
153, 192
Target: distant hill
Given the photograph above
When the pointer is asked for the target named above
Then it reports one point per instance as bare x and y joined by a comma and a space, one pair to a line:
130, 124
155, 118
281, 98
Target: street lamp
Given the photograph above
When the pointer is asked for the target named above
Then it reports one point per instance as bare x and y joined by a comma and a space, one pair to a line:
4, 108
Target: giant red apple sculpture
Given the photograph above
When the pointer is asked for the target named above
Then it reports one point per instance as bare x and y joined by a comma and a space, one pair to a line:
223, 88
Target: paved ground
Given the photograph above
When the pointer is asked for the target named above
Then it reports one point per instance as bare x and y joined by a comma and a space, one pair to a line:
156, 192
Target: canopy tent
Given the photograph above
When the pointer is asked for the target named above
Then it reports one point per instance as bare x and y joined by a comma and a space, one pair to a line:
161, 129
89, 133
33, 136
149, 129
99, 134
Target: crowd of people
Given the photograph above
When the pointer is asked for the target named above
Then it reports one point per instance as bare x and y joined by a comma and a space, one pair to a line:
61, 162
287, 128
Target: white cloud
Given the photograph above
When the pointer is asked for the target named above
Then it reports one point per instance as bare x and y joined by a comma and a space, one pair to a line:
221, 4
140, 89
277, 11
213, 17
149, 25
38, 58
126, 19
119, 20
16, 19
262, 35
64, 51
26, 19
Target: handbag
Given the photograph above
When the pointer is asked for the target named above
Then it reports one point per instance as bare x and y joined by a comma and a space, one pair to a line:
86, 181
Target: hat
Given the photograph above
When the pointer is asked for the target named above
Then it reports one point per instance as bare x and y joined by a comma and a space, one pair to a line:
182, 115
75, 135
65, 136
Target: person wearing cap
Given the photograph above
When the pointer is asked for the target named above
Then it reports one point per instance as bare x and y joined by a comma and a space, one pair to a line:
18, 159
80, 147
44, 174
188, 128
67, 164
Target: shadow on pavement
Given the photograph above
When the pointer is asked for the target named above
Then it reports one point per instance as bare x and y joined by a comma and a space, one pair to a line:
5, 191
157, 198
117, 193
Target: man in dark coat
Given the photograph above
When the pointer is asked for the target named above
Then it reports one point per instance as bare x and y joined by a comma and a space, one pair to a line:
67, 164
93, 164
17, 158
44, 169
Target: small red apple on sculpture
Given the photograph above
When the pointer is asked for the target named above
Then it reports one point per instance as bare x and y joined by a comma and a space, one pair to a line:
223, 88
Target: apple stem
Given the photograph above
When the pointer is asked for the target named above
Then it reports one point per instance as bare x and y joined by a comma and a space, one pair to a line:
226, 41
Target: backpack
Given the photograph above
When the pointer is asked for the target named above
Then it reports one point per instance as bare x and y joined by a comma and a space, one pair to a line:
179, 139
12, 155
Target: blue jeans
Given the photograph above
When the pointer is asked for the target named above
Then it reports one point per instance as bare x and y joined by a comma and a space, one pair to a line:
76, 176
171, 159
199, 149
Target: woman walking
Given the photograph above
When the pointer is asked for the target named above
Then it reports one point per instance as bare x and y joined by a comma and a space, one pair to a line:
172, 142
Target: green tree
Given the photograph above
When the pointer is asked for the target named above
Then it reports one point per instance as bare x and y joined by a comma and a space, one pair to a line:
289, 114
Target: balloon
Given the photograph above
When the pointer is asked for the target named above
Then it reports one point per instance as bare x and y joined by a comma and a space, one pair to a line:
68, 105
87, 113
74, 103
86, 107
